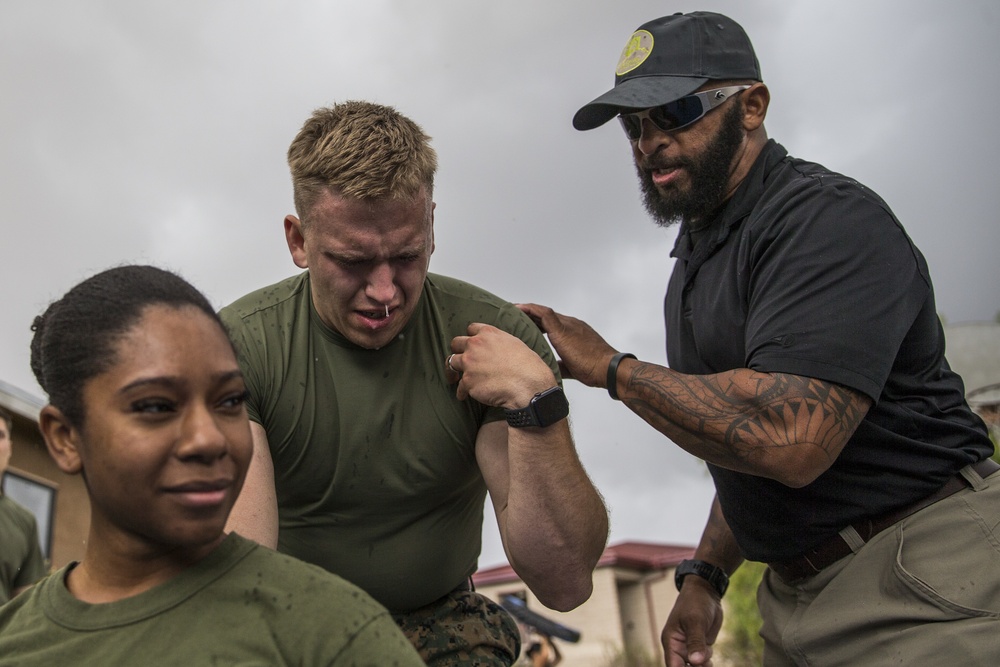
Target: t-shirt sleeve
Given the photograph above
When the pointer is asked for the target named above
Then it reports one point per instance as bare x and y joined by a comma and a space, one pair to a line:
513, 321
835, 286
248, 356
379, 643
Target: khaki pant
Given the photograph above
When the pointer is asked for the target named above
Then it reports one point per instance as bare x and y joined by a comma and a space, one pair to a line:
925, 591
462, 629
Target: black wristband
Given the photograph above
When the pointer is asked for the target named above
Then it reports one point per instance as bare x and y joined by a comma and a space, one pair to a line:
613, 373
715, 576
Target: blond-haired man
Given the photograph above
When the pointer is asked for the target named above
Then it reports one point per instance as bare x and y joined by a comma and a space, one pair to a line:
386, 401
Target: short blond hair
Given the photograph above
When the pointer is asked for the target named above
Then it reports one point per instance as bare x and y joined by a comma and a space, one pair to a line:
360, 150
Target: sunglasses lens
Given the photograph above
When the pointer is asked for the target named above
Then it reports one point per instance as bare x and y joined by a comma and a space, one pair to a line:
667, 117
632, 124
677, 114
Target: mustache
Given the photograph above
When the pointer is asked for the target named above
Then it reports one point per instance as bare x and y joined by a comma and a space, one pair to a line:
654, 162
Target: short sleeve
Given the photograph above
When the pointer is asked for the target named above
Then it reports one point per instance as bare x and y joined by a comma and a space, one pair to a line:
248, 357
836, 284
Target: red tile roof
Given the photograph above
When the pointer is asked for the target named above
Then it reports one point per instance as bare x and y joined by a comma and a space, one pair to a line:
639, 556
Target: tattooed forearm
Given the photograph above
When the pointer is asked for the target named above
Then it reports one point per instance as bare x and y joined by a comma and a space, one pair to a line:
749, 421
718, 545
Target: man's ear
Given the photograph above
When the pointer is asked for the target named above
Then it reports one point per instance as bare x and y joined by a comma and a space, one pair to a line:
61, 438
296, 241
755, 102
433, 206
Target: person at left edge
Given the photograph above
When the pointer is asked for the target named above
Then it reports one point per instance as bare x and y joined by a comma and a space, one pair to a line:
21, 561
385, 401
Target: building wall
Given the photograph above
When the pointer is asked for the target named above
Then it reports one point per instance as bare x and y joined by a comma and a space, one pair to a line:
627, 611
71, 519
662, 593
596, 619
634, 616
973, 351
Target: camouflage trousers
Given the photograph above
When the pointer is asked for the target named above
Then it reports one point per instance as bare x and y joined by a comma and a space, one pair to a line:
462, 629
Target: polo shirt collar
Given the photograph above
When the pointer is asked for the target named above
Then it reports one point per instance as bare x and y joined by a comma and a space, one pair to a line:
735, 210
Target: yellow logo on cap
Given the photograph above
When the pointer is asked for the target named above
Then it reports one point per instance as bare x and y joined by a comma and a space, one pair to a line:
639, 46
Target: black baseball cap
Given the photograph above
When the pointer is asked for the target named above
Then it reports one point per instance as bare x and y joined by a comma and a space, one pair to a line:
670, 57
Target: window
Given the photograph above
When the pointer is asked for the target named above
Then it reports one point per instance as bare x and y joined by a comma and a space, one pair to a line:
39, 498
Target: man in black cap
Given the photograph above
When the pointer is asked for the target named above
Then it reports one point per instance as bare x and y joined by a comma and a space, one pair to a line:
806, 367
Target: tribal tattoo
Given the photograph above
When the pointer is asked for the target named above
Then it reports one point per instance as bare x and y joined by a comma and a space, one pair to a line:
738, 419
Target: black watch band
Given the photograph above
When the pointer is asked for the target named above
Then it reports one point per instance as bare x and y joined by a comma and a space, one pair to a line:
715, 576
545, 408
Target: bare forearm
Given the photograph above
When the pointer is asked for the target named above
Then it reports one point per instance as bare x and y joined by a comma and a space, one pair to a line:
555, 521
718, 545
776, 425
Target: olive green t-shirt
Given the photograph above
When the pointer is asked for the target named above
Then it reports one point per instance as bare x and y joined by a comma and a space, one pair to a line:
374, 456
241, 605
21, 561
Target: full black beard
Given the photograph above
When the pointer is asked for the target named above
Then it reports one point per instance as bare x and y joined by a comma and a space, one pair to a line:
709, 174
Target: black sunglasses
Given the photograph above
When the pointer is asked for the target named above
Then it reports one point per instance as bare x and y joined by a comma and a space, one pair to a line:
679, 113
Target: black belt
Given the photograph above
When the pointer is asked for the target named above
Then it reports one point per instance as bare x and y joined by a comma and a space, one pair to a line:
835, 548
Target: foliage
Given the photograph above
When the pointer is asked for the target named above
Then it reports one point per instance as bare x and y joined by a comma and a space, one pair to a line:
741, 643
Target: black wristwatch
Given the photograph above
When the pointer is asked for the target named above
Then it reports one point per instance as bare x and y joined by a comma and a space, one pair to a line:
715, 576
545, 408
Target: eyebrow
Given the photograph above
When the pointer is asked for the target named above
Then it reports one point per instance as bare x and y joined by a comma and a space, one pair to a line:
173, 380
352, 252
355, 255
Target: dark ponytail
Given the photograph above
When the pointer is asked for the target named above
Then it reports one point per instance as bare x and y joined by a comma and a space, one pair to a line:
74, 339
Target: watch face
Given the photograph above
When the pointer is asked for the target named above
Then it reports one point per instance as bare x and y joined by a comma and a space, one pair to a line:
550, 406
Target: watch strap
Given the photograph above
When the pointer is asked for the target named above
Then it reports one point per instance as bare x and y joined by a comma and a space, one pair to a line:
715, 576
521, 417
545, 408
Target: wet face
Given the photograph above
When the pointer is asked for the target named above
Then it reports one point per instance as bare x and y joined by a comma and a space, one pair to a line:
367, 262
165, 441
686, 174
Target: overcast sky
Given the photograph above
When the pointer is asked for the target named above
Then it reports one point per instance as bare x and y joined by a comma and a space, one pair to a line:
155, 132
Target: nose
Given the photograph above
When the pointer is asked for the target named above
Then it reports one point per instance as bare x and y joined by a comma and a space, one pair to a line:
652, 138
201, 437
381, 287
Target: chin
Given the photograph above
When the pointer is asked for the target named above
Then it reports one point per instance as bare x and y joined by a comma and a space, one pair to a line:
373, 342
199, 538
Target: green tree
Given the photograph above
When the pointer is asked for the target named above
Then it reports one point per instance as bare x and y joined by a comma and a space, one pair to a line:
741, 644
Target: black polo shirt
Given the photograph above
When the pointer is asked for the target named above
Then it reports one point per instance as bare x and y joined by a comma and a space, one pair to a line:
808, 272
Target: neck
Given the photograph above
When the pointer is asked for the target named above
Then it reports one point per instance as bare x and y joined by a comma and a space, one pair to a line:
115, 567
744, 160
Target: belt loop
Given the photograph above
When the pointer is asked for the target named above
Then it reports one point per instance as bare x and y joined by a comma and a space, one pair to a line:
853, 538
973, 478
